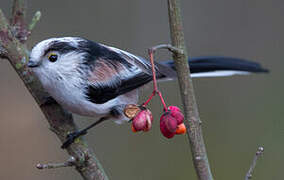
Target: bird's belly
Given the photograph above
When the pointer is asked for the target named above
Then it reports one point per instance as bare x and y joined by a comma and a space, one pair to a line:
75, 102
82, 107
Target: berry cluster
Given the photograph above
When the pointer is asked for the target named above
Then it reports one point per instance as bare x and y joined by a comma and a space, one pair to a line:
171, 121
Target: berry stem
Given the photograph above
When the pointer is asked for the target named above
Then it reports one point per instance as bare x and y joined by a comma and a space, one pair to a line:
151, 54
162, 100
149, 99
155, 91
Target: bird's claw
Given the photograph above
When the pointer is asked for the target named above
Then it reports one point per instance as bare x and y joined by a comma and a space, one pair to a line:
48, 100
71, 137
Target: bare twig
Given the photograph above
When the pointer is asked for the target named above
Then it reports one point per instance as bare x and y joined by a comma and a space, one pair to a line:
13, 36
166, 46
35, 19
17, 22
18, 13
192, 122
258, 153
70, 162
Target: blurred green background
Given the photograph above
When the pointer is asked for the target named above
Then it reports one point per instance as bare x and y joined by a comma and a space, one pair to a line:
239, 113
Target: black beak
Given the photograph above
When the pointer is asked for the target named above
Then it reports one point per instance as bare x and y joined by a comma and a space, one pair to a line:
32, 64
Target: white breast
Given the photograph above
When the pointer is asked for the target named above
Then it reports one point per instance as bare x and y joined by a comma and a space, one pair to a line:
73, 99
70, 93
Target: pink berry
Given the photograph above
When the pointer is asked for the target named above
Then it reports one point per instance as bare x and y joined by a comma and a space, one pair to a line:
165, 131
178, 116
176, 113
168, 125
143, 120
174, 108
171, 123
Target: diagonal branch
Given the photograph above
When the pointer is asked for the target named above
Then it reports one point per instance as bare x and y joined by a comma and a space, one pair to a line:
258, 153
193, 122
12, 38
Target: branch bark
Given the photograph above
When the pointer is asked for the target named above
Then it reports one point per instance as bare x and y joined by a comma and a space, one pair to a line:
13, 36
193, 122
257, 155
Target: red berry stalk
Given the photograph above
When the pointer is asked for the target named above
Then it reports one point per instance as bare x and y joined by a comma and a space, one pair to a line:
155, 86
171, 121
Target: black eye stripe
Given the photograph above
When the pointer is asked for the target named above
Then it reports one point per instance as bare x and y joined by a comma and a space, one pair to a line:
60, 47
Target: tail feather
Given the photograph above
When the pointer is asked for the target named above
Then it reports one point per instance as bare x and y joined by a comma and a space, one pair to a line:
212, 66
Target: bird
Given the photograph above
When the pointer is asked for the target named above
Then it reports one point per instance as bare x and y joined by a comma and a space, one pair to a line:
96, 80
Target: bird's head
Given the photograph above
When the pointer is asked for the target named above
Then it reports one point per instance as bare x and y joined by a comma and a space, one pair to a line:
56, 58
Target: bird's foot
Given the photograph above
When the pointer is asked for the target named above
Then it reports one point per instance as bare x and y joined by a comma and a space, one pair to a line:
48, 100
72, 137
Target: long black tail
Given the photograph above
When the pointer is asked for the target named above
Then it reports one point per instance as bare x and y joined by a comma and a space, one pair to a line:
212, 66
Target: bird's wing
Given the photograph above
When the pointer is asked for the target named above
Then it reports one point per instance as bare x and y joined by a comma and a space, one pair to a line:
162, 70
115, 72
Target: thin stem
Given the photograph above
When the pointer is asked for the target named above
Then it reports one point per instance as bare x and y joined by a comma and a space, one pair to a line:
18, 13
4, 25
258, 153
163, 101
192, 119
156, 91
149, 99
70, 162
17, 22
34, 21
151, 54
168, 47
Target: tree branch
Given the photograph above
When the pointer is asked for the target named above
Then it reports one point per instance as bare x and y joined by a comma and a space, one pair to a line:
68, 163
192, 122
17, 20
35, 19
168, 47
258, 153
13, 36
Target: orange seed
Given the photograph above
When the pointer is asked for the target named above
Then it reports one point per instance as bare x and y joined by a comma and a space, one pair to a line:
181, 129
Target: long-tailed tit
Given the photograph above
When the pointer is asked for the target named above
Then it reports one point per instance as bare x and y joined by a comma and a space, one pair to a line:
93, 79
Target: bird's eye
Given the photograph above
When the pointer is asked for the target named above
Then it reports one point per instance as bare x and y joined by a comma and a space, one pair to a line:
52, 57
